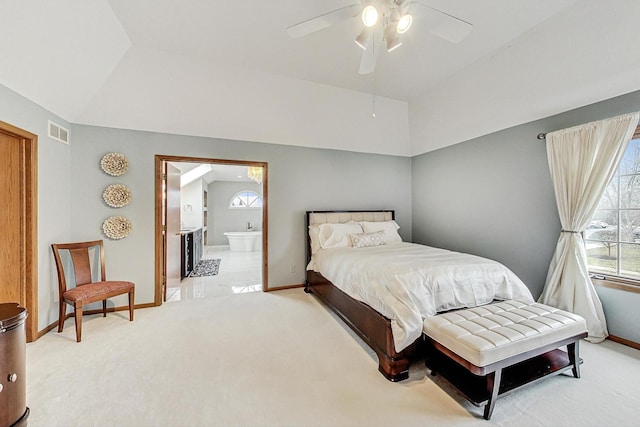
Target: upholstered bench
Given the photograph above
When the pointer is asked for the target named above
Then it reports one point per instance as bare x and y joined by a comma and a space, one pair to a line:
488, 351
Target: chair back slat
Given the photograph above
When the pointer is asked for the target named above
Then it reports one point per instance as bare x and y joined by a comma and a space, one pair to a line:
81, 265
80, 262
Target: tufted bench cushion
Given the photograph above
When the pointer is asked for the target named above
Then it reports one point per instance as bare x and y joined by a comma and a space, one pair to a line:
490, 333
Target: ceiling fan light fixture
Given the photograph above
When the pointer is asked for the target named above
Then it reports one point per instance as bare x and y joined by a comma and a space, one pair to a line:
363, 39
392, 39
385, 21
404, 23
369, 16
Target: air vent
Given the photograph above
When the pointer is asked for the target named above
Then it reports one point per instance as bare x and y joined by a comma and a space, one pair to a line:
58, 133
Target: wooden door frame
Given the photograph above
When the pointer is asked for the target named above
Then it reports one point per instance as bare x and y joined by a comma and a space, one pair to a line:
159, 240
29, 224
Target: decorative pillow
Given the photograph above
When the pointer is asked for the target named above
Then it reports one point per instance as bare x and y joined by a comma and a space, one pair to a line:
390, 228
337, 235
363, 240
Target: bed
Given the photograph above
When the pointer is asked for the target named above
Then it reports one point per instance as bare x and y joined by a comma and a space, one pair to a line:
358, 266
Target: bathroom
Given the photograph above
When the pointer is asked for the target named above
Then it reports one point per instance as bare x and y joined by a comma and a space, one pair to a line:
223, 203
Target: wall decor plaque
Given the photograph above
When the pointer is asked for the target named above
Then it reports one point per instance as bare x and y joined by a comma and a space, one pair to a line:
116, 227
117, 195
114, 164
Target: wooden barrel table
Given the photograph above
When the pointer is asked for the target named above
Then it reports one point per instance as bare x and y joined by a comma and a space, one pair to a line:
13, 348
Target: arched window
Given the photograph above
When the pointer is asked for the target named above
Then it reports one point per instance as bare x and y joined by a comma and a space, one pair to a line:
246, 199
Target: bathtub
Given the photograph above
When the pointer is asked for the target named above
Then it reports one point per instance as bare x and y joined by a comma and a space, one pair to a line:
244, 241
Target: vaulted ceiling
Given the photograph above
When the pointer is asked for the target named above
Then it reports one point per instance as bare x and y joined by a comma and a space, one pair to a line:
214, 68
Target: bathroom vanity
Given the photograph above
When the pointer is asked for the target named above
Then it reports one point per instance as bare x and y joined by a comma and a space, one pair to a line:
190, 250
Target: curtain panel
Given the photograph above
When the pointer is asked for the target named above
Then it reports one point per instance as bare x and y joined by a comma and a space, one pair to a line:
582, 161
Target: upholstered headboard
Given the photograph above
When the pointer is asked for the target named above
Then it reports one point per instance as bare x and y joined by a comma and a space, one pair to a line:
336, 217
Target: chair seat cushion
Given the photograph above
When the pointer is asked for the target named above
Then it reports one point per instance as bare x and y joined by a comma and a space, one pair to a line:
97, 291
493, 332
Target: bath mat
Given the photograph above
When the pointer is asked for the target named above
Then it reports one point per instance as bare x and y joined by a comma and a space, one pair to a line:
206, 267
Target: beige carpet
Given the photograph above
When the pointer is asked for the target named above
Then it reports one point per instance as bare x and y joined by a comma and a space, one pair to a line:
281, 359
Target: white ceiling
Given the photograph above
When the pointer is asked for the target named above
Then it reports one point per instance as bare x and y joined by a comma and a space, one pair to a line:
89, 62
251, 33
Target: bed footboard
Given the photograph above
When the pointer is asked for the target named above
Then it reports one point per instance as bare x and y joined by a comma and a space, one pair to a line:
370, 325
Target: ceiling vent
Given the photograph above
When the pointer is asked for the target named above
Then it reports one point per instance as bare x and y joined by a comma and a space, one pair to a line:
58, 133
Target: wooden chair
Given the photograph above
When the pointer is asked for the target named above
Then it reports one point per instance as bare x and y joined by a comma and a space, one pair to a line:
86, 290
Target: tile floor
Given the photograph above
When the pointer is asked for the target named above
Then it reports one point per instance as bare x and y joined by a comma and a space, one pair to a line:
239, 272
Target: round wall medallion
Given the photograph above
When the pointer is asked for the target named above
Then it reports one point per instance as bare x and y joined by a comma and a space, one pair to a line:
114, 164
117, 195
116, 227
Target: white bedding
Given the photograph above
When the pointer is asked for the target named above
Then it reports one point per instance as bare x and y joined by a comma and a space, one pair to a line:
407, 282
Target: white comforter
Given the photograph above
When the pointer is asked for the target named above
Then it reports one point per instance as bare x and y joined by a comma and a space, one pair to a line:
407, 282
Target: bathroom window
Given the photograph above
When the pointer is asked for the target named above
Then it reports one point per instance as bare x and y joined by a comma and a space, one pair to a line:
246, 199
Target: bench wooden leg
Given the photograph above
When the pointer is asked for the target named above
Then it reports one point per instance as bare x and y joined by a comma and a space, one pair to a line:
573, 350
493, 387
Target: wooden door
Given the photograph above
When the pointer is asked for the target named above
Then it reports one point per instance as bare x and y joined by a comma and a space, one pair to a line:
172, 227
10, 221
18, 222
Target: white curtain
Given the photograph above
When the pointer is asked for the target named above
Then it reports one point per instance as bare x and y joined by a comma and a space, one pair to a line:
582, 160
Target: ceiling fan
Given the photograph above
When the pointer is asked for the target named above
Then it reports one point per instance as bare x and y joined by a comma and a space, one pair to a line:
384, 24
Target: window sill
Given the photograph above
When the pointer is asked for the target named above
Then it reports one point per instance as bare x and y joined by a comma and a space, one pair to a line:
616, 283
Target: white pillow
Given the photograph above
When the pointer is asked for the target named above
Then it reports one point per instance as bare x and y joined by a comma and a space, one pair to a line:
390, 228
337, 235
364, 240
314, 232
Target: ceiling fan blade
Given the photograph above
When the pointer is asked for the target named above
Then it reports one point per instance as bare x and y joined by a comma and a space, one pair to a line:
323, 21
369, 57
442, 24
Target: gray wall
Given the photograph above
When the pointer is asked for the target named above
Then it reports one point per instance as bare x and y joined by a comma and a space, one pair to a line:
299, 179
70, 186
492, 196
621, 311
54, 192
222, 219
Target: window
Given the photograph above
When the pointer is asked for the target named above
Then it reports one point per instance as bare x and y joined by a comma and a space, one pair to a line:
246, 199
612, 238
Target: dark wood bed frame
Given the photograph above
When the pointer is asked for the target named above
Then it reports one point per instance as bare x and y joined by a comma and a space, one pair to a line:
368, 324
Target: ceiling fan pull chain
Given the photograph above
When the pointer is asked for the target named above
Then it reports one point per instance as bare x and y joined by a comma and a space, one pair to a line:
373, 106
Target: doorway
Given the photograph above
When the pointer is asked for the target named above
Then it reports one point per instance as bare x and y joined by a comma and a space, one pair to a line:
18, 222
170, 233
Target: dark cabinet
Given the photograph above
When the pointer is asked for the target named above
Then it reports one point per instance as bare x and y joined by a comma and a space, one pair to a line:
197, 247
191, 251
185, 269
13, 348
